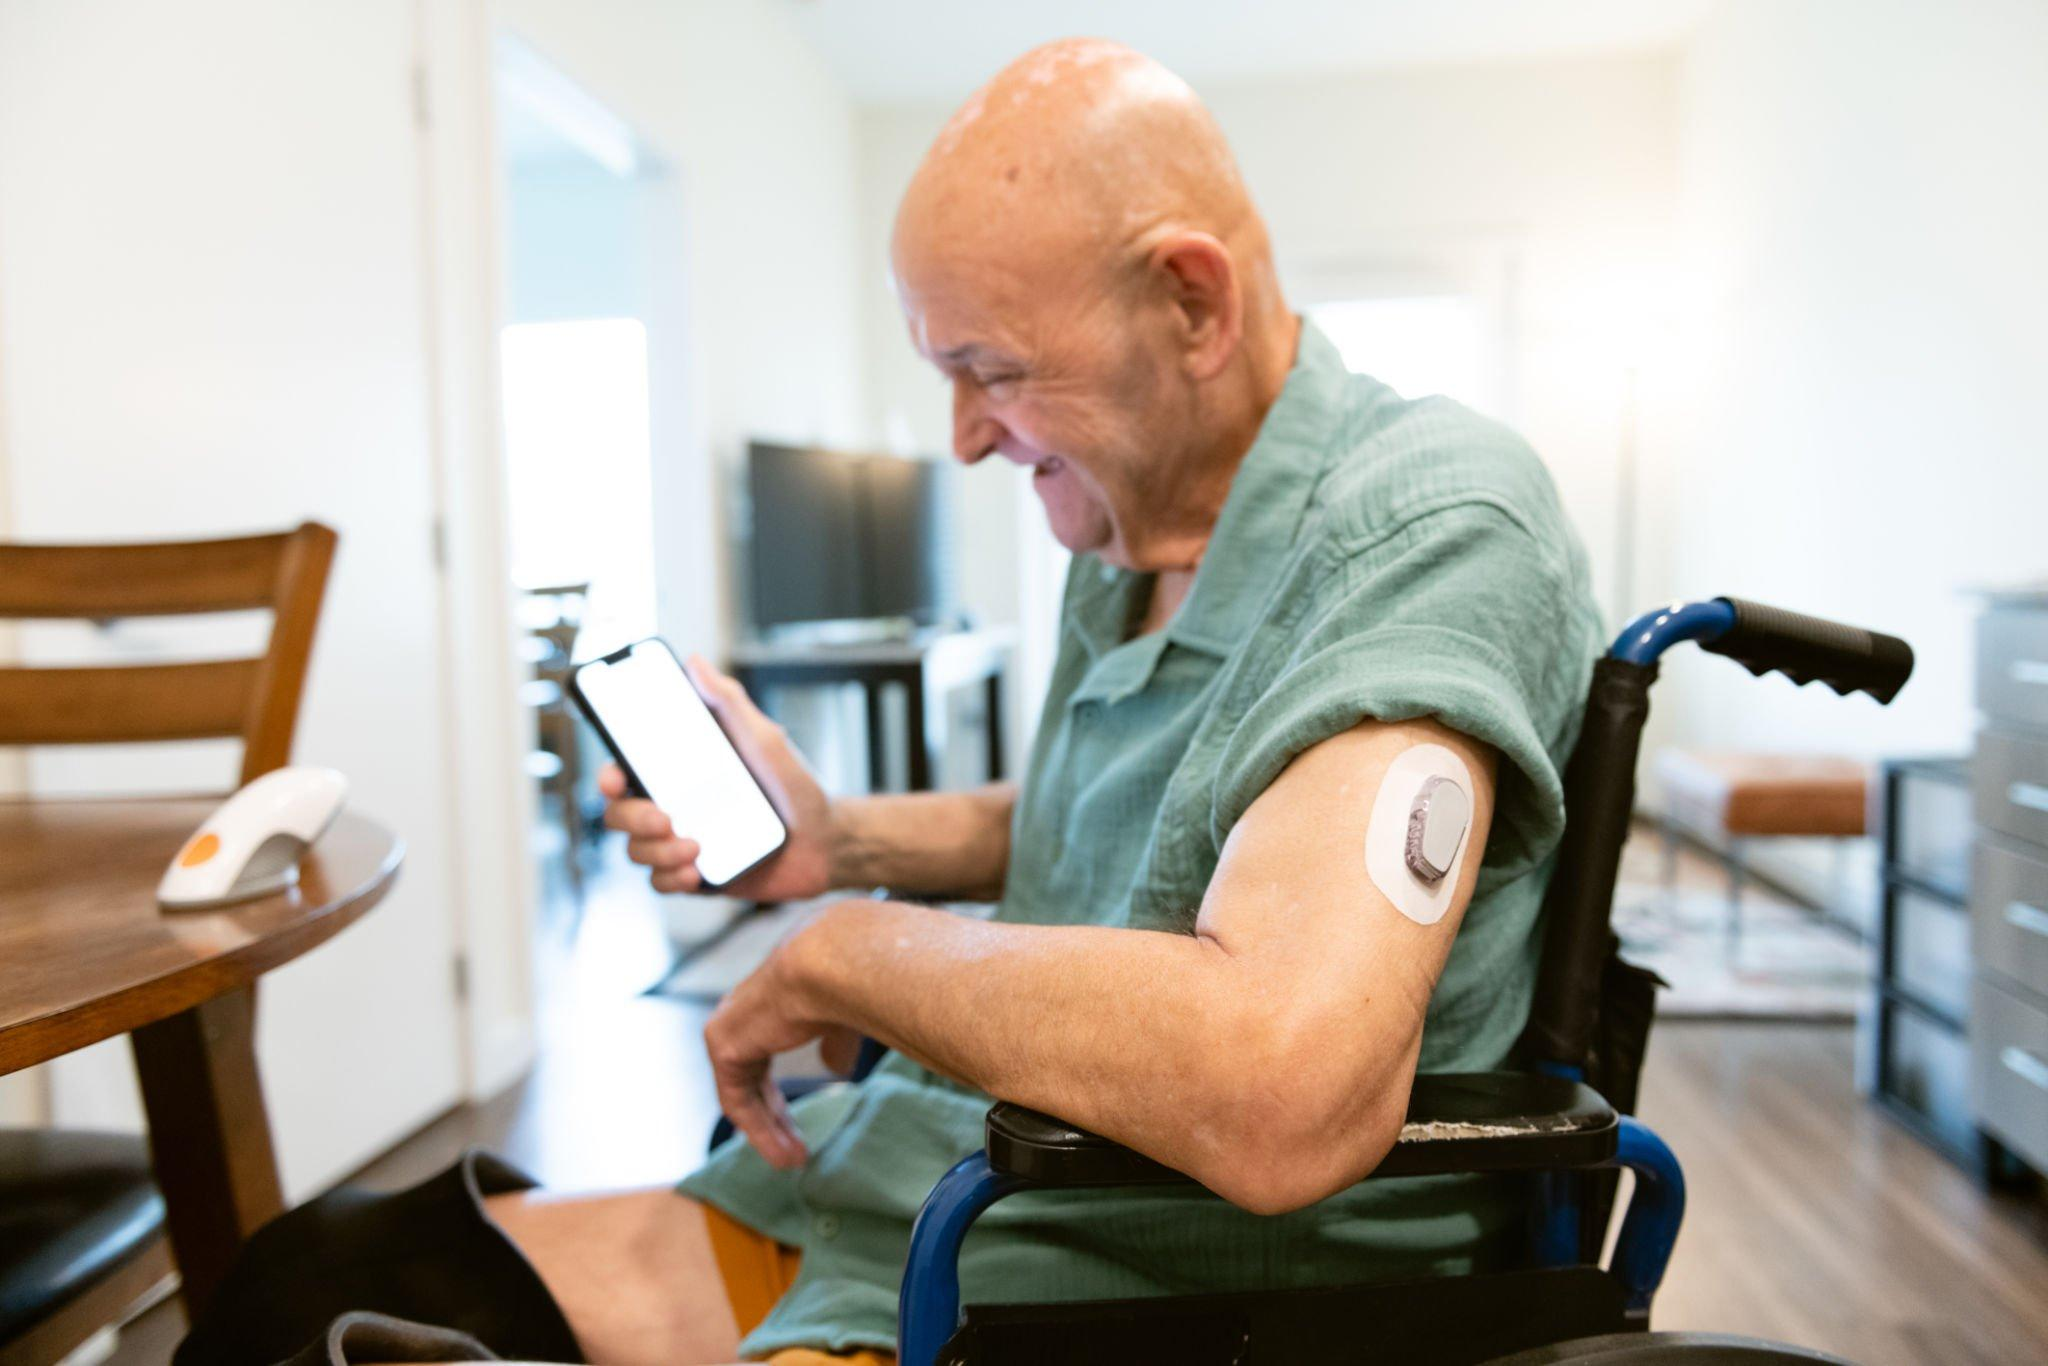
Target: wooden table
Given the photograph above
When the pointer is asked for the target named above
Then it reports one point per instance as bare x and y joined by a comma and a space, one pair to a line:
86, 954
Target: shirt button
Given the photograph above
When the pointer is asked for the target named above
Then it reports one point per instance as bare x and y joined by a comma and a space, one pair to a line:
826, 1226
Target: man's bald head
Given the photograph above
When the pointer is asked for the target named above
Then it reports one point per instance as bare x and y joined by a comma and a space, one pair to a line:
1081, 145
1078, 253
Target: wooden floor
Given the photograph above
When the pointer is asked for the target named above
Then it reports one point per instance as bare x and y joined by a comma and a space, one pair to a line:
1812, 1218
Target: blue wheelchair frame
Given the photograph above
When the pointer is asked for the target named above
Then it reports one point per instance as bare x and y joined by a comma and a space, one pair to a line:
1762, 639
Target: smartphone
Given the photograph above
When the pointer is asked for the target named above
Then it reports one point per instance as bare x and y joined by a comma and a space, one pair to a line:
673, 752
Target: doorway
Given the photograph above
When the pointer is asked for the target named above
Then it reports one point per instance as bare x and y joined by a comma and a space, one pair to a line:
579, 311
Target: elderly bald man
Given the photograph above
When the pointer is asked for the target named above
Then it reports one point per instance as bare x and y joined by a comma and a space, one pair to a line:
1284, 578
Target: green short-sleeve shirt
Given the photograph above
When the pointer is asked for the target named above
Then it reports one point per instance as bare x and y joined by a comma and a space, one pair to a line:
1375, 558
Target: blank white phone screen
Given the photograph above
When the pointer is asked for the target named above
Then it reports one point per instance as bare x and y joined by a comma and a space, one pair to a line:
679, 754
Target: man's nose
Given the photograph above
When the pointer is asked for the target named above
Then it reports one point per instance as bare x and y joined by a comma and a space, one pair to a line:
974, 433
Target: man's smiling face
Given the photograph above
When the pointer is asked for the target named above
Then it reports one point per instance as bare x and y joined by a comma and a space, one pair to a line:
1051, 370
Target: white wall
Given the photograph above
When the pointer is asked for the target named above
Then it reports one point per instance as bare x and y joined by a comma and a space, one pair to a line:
759, 141
1866, 199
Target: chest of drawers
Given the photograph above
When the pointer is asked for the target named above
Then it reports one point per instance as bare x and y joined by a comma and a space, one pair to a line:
2008, 898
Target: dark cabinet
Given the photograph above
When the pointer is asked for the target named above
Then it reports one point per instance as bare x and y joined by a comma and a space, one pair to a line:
2008, 1027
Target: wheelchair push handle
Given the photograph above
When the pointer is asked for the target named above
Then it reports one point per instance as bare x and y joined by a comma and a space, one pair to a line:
1846, 658
1762, 639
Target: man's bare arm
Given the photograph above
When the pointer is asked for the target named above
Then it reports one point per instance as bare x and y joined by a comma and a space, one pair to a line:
1269, 1055
925, 843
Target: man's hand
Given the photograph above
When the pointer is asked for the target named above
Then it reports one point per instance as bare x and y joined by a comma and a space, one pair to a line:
801, 868
764, 1015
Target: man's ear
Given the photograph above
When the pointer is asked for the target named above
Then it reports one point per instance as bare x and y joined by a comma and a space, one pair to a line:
1201, 281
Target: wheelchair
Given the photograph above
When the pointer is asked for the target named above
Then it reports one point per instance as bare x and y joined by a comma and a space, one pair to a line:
1563, 1119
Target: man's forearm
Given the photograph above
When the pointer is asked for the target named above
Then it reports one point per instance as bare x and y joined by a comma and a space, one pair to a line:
925, 843
1166, 1042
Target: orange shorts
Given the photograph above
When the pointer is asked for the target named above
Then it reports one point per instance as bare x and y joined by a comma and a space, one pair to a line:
757, 1272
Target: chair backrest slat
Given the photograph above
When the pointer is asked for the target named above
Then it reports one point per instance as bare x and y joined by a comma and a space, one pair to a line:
97, 582
256, 699
86, 706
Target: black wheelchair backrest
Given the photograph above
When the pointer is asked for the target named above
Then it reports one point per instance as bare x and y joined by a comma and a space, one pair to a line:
1580, 967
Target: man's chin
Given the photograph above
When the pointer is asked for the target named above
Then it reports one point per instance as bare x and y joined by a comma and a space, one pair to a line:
1081, 531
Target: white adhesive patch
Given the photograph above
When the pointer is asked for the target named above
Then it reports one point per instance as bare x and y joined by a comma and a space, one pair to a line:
1386, 837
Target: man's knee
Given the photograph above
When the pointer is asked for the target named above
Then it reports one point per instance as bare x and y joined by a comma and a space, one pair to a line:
633, 1272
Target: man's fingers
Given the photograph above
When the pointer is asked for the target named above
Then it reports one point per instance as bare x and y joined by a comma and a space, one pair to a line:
677, 879
714, 683
722, 690
663, 852
611, 781
754, 1104
638, 817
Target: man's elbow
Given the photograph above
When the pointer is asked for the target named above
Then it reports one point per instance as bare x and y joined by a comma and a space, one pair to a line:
1295, 1143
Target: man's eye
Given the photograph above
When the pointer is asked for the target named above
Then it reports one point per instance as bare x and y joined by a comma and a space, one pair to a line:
991, 381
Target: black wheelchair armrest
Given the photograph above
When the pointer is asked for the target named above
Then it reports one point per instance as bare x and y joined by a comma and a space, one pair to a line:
1457, 1122
1035, 1147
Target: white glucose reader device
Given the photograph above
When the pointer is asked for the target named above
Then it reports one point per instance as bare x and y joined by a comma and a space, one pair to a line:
250, 845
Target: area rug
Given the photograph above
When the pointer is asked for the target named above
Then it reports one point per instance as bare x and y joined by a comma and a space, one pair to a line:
712, 963
1787, 964
706, 968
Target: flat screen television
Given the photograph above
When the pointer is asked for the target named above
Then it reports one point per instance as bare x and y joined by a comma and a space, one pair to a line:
837, 537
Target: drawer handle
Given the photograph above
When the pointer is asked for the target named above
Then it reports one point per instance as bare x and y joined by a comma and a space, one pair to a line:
2029, 794
2025, 917
2030, 671
2024, 1065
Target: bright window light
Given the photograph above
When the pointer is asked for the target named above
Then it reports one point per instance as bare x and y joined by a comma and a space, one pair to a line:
1422, 344
577, 458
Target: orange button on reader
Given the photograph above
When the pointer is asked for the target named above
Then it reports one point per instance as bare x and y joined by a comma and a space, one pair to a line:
200, 850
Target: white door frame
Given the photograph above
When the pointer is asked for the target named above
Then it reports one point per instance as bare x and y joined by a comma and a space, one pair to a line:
493, 799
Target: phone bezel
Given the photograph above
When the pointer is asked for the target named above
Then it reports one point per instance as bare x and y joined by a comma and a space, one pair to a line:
633, 783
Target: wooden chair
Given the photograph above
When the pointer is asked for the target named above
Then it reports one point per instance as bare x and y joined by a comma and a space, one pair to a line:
82, 1220
256, 699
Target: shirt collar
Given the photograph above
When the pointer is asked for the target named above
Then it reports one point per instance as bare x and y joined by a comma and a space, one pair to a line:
1269, 495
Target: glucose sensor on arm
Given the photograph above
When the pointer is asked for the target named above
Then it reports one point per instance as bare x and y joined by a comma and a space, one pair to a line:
1415, 843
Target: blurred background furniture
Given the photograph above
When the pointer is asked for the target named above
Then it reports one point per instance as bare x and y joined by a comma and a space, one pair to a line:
83, 1221
852, 577
929, 668
551, 617
1723, 800
2008, 1028
1914, 1057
